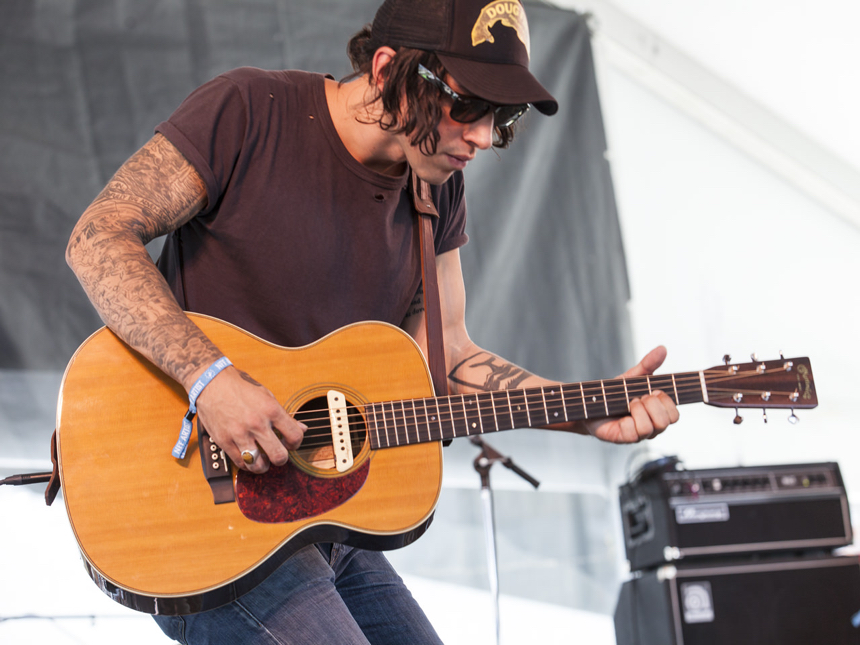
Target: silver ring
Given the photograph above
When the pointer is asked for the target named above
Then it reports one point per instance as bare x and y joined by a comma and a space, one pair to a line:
250, 456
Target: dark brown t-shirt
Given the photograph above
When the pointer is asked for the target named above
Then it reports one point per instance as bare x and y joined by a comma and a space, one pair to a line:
298, 238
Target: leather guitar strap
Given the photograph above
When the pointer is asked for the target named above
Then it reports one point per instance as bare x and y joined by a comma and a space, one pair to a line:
53, 483
422, 201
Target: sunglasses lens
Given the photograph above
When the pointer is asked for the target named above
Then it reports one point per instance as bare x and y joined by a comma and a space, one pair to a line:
507, 115
469, 110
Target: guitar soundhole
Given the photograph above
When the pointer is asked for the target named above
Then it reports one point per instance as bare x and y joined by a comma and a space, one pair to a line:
317, 448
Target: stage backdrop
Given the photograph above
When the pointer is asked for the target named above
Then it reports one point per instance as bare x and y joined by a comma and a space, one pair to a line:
84, 83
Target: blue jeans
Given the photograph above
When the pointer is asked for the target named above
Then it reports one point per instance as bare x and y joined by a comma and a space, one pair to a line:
324, 595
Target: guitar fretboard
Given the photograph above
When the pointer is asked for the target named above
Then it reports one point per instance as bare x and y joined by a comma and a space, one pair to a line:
399, 423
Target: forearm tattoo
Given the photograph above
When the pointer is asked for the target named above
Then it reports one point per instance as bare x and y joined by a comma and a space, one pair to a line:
248, 378
487, 372
153, 193
416, 307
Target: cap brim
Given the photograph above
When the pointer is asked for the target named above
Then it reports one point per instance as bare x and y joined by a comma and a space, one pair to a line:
500, 83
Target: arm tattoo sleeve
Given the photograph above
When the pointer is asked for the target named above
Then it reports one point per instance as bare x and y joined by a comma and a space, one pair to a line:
154, 192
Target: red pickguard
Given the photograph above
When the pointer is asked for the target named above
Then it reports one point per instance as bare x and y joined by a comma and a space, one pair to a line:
288, 494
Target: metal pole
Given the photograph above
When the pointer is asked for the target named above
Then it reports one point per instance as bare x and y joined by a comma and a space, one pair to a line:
483, 462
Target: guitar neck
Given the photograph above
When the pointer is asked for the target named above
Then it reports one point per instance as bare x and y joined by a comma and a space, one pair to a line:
399, 423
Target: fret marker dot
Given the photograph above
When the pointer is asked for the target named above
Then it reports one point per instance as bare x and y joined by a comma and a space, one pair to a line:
555, 414
594, 399
433, 418
474, 425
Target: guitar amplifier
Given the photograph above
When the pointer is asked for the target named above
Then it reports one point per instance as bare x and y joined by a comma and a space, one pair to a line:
669, 514
766, 600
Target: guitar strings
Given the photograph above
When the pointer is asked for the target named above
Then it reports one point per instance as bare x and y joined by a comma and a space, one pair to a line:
412, 418
530, 397
536, 395
613, 392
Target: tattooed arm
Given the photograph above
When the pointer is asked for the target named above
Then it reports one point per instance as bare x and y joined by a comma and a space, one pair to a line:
153, 193
472, 369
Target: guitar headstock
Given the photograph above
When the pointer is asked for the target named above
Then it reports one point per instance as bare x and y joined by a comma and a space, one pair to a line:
784, 383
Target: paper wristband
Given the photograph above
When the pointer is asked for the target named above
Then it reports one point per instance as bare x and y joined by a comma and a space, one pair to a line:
204, 380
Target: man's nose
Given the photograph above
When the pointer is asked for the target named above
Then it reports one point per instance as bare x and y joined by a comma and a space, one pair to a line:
480, 133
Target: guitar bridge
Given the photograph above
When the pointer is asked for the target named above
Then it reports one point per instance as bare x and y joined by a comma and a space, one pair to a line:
216, 467
340, 436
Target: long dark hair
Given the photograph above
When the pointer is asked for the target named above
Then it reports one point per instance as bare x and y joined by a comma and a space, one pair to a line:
419, 119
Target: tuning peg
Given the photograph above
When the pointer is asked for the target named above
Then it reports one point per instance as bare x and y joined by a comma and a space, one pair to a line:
793, 419
753, 357
764, 415
733, 369
738, 418
781, 355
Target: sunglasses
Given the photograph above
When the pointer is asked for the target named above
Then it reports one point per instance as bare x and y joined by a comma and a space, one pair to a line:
470, 109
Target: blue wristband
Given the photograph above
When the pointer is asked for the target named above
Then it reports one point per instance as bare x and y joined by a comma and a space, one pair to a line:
204, 380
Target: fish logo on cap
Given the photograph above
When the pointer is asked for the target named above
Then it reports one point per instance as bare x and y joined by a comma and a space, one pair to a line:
510, 14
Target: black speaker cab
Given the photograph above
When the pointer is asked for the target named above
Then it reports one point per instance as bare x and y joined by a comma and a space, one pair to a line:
669, 514
766, 600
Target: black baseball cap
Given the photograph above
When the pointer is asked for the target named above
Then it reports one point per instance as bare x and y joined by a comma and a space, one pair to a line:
484, 45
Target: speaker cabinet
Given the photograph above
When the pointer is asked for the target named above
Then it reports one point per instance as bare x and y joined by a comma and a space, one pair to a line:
669, 514
812, 600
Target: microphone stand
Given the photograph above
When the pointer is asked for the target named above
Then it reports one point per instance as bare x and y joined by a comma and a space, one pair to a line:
483, 462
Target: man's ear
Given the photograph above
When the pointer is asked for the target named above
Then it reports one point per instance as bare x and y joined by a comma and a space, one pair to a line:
381, 58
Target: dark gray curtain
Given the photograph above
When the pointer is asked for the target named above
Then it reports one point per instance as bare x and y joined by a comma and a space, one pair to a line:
545, 269
83, 83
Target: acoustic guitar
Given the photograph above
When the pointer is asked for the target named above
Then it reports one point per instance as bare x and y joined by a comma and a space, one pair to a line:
368, 473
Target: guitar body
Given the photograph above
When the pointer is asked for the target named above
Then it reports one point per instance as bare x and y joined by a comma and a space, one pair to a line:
150, 534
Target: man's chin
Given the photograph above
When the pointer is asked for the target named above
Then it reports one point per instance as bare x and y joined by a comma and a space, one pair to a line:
435, 176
